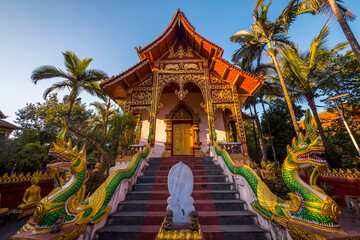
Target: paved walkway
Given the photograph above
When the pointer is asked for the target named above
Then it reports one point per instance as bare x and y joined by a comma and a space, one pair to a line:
10, 227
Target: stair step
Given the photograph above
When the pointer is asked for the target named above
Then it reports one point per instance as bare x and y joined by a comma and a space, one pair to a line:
149, 172
197, 186
187, 162
200, 205
222, 214
197, 179
205, 218
196, 194
193, 168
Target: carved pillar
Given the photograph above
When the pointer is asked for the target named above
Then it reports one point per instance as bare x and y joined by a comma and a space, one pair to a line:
154, 105
209, 105
239, 123
197, 143
138, 130
168, 143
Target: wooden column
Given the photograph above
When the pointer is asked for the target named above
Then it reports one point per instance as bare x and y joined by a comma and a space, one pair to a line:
239, 123
209, 105
168, 143
154, 105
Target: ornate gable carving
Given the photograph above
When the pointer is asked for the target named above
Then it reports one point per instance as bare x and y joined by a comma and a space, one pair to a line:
182, 112
180, 53
146, 82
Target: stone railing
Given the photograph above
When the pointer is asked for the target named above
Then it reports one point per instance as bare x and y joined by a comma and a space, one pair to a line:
232, 147
133, 149
6, 179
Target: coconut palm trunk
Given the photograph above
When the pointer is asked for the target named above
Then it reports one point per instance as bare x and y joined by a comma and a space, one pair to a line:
286, 94
261, 137
268, 128
334, 161
254, 133
346, 28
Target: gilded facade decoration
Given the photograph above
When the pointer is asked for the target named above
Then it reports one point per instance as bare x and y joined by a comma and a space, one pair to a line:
182, 114
217, 81
224, 106
140, 108
140, 98
221, 95
143, 89
180, 53
238, 103
146, 82
181, 65
204, 106
181, 79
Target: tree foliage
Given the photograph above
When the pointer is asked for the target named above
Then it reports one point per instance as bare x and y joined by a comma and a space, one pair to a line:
282, 131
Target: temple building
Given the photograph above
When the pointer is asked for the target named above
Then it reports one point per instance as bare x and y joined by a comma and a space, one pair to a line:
6, 128
183, 88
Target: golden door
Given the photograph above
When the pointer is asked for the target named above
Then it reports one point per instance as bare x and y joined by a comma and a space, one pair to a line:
183, 142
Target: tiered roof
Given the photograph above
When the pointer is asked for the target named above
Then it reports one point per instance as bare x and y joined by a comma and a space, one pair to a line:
180, 27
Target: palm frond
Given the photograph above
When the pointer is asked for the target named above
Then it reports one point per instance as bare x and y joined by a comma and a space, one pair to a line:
55, 87
71, 61
83, 65
318, 43
339, 47
45, 72
324, 7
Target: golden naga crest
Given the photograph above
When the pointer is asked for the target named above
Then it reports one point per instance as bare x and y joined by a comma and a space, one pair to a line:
65, 154
306, 149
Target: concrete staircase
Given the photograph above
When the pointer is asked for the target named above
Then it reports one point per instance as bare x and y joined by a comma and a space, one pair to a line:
222, 215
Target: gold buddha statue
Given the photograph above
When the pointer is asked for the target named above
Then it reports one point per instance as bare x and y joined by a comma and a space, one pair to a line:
3, 211
30, 198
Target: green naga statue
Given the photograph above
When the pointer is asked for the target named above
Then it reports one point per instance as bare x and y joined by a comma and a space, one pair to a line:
308, 203
62, 201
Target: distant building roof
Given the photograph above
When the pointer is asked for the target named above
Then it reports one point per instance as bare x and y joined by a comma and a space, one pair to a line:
326, 118
2, 115
6, 126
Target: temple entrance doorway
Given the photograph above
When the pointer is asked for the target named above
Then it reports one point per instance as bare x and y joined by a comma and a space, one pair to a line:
182, 132
183, 138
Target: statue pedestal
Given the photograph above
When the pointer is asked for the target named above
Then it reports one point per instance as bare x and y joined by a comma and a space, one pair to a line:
181, 220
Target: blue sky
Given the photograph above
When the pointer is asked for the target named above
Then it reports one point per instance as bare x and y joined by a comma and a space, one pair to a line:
34, 33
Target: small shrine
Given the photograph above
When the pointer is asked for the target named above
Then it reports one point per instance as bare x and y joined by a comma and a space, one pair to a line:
183, 88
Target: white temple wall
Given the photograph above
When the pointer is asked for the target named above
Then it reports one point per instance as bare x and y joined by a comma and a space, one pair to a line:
170, 101
220, 126
144, 134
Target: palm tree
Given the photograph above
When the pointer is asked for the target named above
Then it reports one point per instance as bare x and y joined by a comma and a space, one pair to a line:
77, 78
104, 114
305, 72
334, 8
100, 122
267, 90
265, 36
